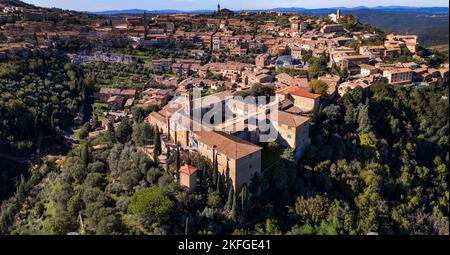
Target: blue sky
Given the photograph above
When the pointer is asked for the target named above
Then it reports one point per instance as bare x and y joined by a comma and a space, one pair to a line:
97, 5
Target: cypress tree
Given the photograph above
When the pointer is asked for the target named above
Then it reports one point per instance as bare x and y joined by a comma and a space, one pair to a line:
168, 152
364, 122
111, 131
186, 226
227, 174
230, 198
203, 177
218, 183
167, 158
157, 145
176, 136
21, 190
84, 153
216, 169
233, 207
244, 200
177, 162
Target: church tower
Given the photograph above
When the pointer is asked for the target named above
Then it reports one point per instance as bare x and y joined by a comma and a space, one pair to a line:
338, 14
145, 21
218, 8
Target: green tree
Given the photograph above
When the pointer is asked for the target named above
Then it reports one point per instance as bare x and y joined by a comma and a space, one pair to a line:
319, 87
270, 227
289, 155
84, 131
364, 122
85, 154
150, 204
312, 210
261, 90
213, 199
317, 66
123, 131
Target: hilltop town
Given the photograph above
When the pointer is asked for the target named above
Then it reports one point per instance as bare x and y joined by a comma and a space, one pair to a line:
102, 97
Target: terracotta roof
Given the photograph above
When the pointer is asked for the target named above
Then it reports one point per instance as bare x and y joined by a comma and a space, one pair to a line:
158, 117
130, 92
399, 70
409, 64
283, 76
188, 169
357, 57
368, 67
116, 99
230, 145
291, 81
221, 96
297, 91
291, 119
109, 91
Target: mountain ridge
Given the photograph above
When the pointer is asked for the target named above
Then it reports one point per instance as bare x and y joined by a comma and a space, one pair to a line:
434, 10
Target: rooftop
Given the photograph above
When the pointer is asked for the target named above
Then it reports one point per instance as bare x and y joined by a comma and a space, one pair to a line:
297, 91
188, 169
291, 119
398, 70
232, 146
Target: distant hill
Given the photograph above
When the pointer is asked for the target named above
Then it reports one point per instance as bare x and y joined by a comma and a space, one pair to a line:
288, 9
432, 28
380, 8
430, 23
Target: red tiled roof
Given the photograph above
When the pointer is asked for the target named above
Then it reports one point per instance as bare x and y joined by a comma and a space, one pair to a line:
291, 119
297, 91
230, 145
188, 169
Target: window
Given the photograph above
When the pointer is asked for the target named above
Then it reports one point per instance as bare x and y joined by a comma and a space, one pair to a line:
289, 127
289, 136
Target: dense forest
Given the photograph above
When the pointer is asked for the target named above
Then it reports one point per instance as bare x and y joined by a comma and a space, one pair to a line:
39, 98
378, 163
38, 101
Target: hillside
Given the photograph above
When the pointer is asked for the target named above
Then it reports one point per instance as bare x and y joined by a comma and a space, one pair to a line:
16, 3
432, 29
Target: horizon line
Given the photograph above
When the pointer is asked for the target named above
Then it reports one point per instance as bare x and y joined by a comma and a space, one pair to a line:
263, 9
